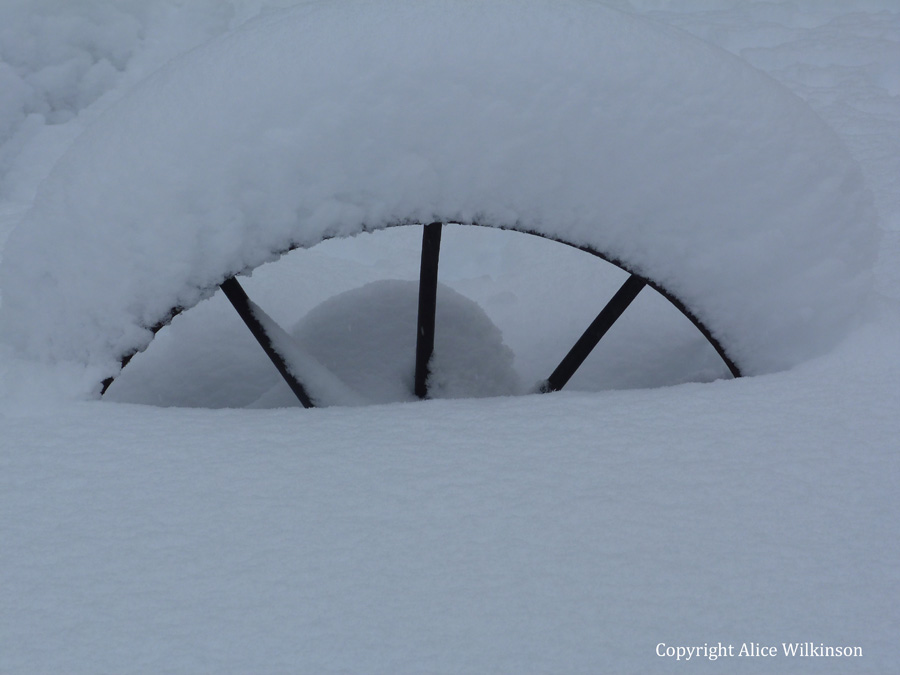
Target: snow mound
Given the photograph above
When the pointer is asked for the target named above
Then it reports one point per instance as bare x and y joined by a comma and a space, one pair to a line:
366, 338
562, 117
59, 59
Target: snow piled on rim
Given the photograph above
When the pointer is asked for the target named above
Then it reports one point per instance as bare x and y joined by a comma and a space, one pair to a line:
567, 118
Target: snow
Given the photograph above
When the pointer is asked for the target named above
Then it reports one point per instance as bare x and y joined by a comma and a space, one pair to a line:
656, 149
359, 348
560, 533
652, 501
321, 385
366, 336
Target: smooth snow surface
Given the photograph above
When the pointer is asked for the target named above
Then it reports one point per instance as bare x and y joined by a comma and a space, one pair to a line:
568, 533
567, 118
575, 532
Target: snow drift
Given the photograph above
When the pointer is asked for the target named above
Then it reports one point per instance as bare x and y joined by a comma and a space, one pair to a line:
363, 338
565, 118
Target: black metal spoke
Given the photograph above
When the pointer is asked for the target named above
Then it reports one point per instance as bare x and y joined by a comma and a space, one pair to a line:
428, 278
594, 333
248, 312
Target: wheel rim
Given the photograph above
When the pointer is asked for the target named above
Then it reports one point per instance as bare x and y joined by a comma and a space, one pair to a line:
261, 326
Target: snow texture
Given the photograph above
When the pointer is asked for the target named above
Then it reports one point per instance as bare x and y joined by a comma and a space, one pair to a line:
321, 385
567, 118
62, 62
367, 338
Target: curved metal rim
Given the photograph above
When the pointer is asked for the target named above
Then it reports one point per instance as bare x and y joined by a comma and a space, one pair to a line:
729, 362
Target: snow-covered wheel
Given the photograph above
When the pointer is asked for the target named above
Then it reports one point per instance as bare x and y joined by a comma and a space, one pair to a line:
674, 160
283, 353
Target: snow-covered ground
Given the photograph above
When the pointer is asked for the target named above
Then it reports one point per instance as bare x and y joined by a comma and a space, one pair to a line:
174, 526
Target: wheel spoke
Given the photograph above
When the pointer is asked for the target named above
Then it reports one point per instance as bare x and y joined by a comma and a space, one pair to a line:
594, 333
249, 312
428, 276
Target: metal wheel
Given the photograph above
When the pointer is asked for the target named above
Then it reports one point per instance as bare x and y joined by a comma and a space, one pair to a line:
269, 335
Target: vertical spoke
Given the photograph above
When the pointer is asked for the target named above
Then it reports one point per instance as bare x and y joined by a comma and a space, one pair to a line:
594, 333
247, 311
428, 276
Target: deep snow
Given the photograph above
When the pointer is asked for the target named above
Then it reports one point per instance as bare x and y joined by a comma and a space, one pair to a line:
571, 532
566, 118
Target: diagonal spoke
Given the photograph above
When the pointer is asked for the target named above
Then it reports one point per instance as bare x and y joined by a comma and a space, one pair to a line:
428, 276
249, 313
594, 333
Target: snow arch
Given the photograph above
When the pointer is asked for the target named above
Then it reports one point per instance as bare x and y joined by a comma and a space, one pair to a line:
563, 118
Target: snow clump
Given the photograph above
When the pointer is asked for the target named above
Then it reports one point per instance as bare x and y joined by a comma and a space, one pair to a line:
366, 339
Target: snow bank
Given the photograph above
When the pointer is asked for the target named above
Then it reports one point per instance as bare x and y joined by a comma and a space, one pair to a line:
566, 117
359, 347
367, 338
62, 60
